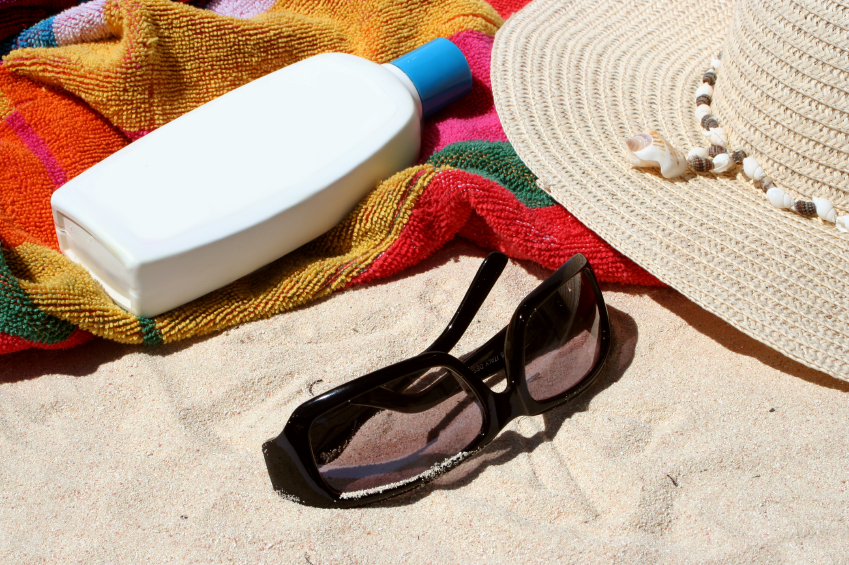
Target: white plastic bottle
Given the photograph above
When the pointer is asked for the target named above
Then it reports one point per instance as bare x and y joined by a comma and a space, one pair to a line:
252, 175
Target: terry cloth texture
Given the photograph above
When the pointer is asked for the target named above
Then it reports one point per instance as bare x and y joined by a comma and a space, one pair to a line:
157, 59
16, 15
469, 182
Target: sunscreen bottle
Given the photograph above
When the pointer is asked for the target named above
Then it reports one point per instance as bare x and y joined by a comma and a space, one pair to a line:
252, 175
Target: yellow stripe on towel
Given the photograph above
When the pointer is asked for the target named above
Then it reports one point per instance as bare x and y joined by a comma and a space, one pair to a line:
168, 58
65, 290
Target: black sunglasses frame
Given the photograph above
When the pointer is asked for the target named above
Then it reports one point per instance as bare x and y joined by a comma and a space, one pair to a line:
289, 458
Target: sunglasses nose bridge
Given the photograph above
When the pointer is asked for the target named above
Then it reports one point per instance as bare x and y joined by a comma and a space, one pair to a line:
509, 404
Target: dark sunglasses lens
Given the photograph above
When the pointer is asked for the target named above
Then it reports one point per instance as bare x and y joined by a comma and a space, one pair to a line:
396, 433
562, 345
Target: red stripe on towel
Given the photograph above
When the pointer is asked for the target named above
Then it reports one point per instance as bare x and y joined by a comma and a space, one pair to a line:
484, 212
12, 343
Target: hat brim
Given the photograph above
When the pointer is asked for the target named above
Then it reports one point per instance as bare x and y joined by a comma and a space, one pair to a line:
573, 80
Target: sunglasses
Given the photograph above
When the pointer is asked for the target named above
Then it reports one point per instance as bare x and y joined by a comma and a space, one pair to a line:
404, 425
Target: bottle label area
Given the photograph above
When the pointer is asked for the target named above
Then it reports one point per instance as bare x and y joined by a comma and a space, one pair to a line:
228, 156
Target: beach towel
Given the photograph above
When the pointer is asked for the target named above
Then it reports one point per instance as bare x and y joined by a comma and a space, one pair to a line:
78, 83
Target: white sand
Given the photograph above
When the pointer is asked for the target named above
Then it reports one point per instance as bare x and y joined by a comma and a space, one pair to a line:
116, 454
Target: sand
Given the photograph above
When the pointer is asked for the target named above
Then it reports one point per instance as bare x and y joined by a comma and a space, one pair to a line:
697, 444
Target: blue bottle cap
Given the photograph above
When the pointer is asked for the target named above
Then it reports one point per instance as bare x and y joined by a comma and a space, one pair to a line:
440, 73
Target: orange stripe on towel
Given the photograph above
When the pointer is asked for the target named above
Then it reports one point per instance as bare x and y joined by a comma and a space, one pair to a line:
47, 139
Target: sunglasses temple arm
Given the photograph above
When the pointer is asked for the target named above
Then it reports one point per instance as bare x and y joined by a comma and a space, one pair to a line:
484, 280
480, 288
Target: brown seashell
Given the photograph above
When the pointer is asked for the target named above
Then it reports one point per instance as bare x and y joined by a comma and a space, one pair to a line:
764, 184
715, 150
703, 99
805, 208
710, 77
738, 156
709, 121
699, 164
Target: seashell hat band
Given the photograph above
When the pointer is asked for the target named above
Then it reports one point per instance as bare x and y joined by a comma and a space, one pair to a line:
784, 93
574, 79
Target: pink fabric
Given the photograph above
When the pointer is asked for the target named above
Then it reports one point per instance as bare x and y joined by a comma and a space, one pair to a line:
134, 135
82, 23
242, 9
474, 117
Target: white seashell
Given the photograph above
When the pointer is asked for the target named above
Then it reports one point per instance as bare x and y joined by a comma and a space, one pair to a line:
722, 163
702, 110
750, 165
779, 198
651, 150
717, 137
698, 152
715, 64
842, 223
638, 143
705, 88
759, 174
825, 210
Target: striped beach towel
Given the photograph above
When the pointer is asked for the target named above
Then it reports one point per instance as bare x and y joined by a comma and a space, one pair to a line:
79, 82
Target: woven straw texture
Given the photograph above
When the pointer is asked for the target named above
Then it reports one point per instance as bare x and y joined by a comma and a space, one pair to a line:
573, 79
784, 93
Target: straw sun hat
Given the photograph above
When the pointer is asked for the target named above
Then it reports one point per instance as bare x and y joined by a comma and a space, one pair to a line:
574, 79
